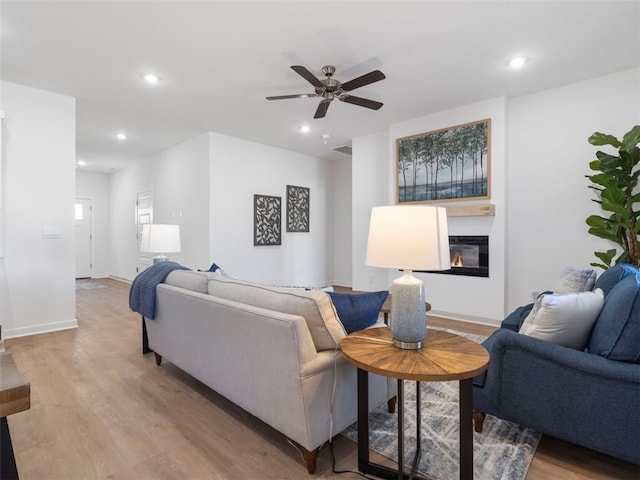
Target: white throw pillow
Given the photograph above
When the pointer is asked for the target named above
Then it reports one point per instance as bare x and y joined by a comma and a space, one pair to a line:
575, 280
564, 319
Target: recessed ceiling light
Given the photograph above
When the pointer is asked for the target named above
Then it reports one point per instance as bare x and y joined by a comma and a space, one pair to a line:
305, 129
121, 136
81, 162
518, 62
151, 78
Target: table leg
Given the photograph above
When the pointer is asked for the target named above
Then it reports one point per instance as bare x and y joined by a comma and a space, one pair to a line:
8, 469
400, 429
363, 420
416, 458
466, 429
364, 464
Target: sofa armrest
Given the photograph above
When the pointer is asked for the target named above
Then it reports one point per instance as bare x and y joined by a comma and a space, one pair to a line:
563, 357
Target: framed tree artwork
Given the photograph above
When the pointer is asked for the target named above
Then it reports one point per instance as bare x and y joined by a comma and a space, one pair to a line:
297, 208
450, 164
267, 220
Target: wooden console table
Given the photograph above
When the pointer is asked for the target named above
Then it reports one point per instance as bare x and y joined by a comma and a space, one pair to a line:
15, 396
443, 357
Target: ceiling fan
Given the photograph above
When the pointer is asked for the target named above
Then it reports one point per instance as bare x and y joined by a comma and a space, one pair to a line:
330, 89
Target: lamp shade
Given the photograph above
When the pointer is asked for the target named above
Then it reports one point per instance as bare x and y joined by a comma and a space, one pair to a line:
409, 237
160, 238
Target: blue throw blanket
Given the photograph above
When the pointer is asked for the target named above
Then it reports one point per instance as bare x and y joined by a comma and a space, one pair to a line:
142, 296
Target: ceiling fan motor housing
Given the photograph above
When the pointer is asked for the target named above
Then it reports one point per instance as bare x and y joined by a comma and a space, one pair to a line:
328, 70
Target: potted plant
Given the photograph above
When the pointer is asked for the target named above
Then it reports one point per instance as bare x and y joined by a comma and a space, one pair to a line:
616, 182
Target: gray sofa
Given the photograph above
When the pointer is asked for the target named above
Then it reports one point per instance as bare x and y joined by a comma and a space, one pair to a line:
272, 351
588, 396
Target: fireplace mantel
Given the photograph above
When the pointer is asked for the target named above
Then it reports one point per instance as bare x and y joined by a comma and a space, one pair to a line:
474, 210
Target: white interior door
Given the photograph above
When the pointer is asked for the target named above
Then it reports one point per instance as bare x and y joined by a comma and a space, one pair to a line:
83, 213
144, 215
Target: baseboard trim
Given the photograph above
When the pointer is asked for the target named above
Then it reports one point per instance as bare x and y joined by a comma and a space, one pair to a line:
120, 279
38, 329
464, 318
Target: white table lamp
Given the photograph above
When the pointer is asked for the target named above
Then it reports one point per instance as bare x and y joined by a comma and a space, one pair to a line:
161, 239
408, 237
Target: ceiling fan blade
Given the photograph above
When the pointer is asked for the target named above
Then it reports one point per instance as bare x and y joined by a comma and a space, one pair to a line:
322, 109
366, 79
307, 75
301, 95
361, 102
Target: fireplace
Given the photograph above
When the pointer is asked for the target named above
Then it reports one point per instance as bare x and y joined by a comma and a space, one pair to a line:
469, 256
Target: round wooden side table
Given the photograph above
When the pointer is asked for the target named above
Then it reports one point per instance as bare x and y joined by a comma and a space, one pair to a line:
444, 357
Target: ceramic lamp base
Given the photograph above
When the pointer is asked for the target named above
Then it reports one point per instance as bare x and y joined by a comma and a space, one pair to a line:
408, 313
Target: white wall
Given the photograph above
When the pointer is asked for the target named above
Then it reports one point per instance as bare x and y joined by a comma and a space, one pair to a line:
549, 156
238, 170
370, 188
38, 136
178, 178
340, 222
470, 298
95, 186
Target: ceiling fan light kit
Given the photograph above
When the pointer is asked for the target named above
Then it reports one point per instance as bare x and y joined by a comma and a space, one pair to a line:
329, 89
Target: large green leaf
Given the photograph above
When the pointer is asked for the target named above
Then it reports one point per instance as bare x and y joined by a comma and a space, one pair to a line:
606, 258
596, 221
615, 195
602, 179
605, 234
603, 139
609, 162
631, 138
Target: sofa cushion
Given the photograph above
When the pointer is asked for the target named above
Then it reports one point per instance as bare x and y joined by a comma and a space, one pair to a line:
611, 276
358, 310
314, 306
575, 280
564, 319
616, 334
190, 280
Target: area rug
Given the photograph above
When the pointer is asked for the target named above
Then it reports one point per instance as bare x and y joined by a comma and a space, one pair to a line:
88, 285
503, 450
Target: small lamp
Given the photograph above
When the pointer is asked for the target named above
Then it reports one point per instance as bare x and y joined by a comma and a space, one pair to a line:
159, 238
408, 237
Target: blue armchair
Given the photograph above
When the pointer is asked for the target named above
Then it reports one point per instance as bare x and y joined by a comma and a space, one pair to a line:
590, 397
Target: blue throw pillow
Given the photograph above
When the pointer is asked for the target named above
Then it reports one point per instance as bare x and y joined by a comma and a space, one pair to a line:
613, 275
358, 310
616, 333
213, 267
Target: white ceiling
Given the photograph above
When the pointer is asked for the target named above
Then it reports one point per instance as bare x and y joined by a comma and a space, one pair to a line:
219, 60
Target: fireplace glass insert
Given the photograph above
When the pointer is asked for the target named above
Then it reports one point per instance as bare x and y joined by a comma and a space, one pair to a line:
469, 256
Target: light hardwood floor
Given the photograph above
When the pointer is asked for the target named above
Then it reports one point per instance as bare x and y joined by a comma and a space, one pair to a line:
100, 409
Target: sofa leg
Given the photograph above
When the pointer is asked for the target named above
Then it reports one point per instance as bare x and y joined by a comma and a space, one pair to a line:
145, 338
311, 458
391, 404
478, 420
158, 358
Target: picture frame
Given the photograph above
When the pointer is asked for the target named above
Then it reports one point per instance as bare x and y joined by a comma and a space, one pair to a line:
267, 220
449, 164
298, 208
